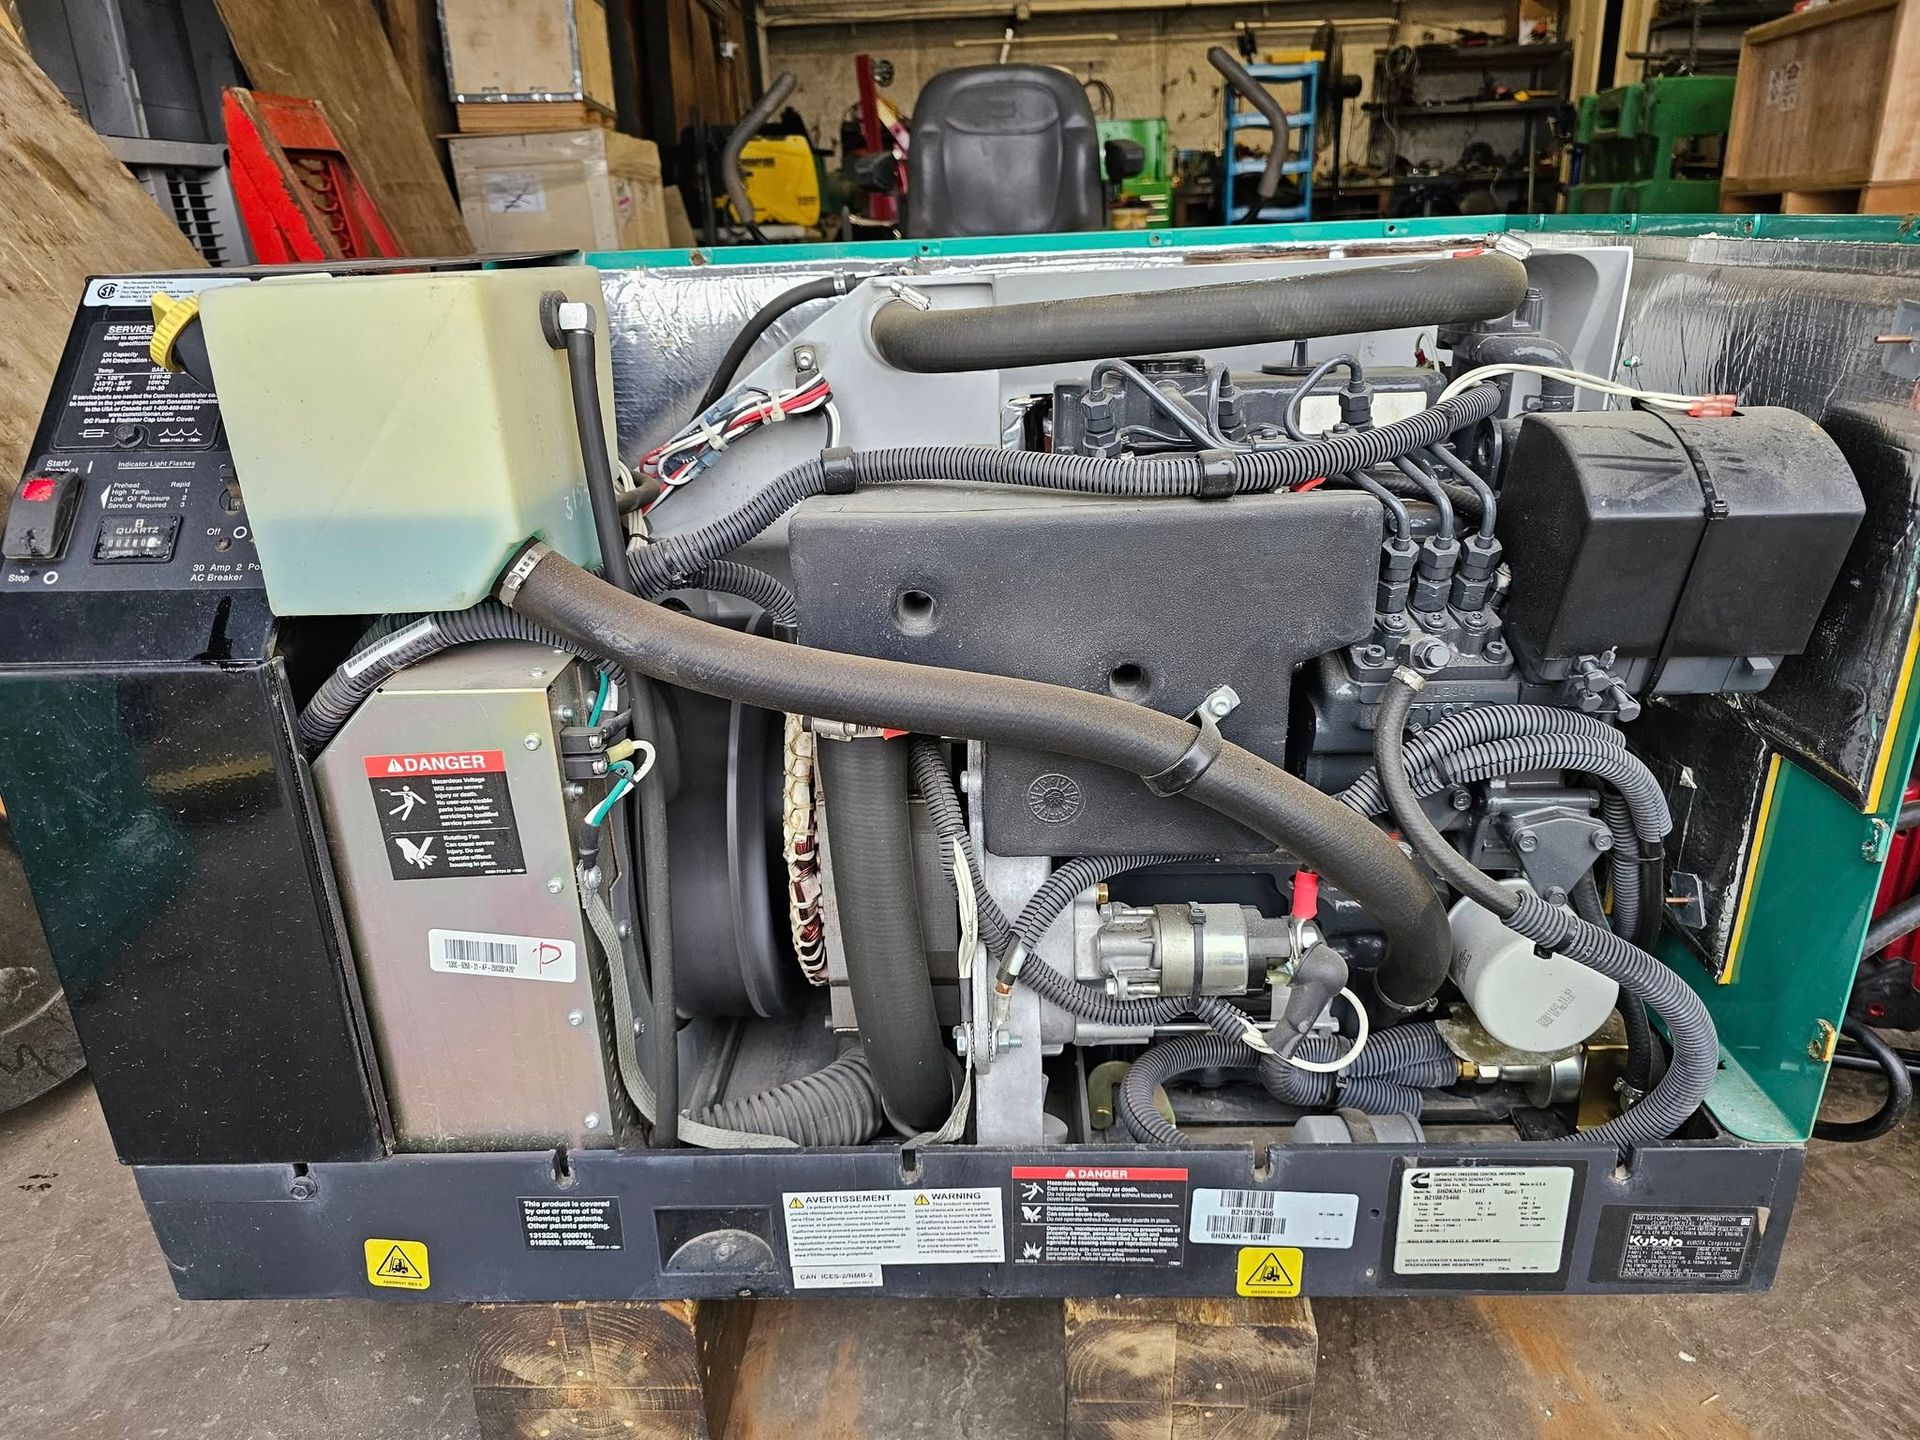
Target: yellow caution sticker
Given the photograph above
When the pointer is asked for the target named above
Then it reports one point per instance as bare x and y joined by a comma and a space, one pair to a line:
1269, 1270
397, 1264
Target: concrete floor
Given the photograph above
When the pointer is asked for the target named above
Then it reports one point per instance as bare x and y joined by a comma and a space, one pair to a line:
94, 1346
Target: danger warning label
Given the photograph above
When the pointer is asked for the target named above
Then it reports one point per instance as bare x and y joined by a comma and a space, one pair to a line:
1099, 1215
446, 814
1271, 1270
840, 1239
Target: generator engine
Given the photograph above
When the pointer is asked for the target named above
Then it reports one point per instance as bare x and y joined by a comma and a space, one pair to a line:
1057, 730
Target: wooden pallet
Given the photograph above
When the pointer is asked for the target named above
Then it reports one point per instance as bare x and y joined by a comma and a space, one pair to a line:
1814, 197
669, 1370
526, 117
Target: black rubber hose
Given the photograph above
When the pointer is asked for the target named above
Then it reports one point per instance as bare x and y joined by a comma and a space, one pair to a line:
1520, 349
670, 562
1696, 1046
870, 837
377, 660
1908, 817
1348, 851
1902, 919
764, 109
1899, 1091
1348, 301
836, 1105
1271, 110
1585, 898
824, 288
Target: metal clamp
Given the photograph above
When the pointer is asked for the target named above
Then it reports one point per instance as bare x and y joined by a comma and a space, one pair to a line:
1205, 749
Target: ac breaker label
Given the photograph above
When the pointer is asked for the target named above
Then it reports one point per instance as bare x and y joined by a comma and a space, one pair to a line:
1680, 1246
843, 1238
1298, 1218
1099, 1215
446, 814
1473, 1220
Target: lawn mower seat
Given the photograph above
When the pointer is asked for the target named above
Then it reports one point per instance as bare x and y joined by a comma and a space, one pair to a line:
1003, 150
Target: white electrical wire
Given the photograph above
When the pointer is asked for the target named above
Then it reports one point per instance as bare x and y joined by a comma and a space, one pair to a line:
1329, 1067
1579, 379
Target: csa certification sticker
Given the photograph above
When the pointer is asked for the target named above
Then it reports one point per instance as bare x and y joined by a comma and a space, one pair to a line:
1269, 1270
397, 1264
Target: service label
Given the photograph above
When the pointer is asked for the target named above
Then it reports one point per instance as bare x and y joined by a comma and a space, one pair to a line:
1482, 1220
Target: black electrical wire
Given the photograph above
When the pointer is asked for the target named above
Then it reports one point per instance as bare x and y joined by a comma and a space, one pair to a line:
824, 288
1899, 1091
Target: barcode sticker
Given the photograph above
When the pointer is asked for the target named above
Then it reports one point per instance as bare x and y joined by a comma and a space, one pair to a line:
511, 957
1302, 1218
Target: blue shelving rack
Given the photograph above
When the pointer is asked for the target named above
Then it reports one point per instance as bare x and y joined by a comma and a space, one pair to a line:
1243, 175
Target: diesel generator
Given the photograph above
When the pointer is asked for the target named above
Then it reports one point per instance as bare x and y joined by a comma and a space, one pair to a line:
1336, 761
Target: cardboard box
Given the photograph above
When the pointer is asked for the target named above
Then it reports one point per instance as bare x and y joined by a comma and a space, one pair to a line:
575, 190
520, 65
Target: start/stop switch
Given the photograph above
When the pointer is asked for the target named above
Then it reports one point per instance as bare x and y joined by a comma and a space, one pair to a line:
41, 516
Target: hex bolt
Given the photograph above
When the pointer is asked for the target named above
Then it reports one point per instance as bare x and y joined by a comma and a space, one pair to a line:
304, 1187
1602, 839
556, 885
1006, 1039
573, 790
1374, 654
1461, 800
1526, 842
576, 1019
960, 1039
564, 714
592, 1122
1496, 649
1555, 895
532, 742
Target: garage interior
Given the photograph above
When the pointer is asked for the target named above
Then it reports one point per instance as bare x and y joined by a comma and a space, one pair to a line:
1518, 795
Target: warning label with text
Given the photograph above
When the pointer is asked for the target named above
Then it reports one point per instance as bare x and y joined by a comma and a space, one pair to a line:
1099, 1215
842, 1238
446, 814
569, 1222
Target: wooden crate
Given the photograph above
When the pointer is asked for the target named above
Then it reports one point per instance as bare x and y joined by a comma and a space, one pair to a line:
1826, 116
574, 190
515, 66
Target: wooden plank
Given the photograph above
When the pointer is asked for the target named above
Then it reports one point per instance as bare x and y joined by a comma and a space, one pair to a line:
1187, 1369
337, 53
526, 117
413, 30
1891, 199
1896, 151
71, 211
521, 47
641, 1370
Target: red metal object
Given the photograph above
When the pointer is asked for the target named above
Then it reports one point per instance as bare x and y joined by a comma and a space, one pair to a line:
873, 138
295, 186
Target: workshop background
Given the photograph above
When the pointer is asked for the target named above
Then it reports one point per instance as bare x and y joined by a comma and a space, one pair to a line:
143, 134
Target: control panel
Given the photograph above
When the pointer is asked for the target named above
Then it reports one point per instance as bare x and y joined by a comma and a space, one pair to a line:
129, 486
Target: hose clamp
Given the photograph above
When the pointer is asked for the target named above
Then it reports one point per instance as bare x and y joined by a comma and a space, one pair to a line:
836, 471
517, 573
1199, 756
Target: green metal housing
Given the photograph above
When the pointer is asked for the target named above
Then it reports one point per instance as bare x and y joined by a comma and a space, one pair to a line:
1630, 135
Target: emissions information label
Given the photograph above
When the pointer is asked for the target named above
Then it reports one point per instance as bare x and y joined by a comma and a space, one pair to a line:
1099, 1215
842, 1238
510, 957
446, 814
1468, 1220
1299, 1218
567, 1222
1679, 1246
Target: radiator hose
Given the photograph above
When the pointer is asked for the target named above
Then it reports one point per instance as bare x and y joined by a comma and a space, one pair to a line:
1345, 848
1348, 301
869, 835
